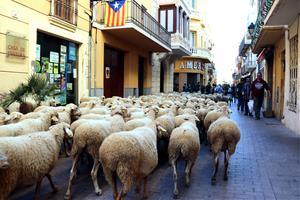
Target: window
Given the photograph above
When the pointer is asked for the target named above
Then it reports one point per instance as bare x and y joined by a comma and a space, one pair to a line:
66, 10
193, 39
167, 18
292, 102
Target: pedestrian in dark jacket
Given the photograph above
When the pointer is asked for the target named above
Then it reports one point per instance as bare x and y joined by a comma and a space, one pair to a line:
208, 89
240, 95
257, 91
246, 91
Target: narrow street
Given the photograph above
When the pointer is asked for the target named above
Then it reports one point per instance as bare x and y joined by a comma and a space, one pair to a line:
265, 166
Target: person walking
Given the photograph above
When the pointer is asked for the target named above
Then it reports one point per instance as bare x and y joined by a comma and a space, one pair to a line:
208, 89
246, 91
233, 88
240, 95
257, 92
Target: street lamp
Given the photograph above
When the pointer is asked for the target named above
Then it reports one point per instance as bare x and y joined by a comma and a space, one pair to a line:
251, 28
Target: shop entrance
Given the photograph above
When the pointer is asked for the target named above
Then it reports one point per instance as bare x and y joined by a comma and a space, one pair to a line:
191, 80
113, 72
141, 76
57, 59
176, 82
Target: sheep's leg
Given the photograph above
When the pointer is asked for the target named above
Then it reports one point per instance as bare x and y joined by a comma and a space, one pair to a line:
37, 189
51, 182
175, 192
216, 166
145, 192
226, 162
121, 194
72, 175
188, 168
94, 174
111, 178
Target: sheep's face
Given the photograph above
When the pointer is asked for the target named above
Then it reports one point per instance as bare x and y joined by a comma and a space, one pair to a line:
54, 118
4, 163
75, 114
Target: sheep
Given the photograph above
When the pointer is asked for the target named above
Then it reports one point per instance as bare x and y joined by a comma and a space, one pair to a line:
223, 135
4, 117
29, 125
13, 118
213, 116
185, 117
130, 155
20, 151
184, 143
69, 114
89, 136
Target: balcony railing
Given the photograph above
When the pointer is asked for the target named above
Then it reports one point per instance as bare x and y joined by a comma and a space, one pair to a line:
138, 15
65, 11
201, 53
244, 45
177, 38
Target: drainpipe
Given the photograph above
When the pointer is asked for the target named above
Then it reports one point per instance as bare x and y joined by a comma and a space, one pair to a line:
95, 64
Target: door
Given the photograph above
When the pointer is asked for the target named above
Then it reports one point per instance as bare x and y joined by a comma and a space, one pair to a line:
113, 72
162, 76
141, 76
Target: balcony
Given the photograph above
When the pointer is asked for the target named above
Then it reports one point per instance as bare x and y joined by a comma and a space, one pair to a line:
180, 45
195, 14
244, 45
138, 28
202, 53
64, 11
250, 65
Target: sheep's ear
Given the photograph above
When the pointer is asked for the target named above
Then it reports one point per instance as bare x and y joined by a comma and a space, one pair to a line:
161, 129
68, 132
196, 118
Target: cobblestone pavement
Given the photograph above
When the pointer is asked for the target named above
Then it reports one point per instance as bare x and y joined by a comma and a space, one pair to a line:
266, 165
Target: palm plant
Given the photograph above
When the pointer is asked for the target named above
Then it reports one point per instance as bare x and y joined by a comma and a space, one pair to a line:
37, 86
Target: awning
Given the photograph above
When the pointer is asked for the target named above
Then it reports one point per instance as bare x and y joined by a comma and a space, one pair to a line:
268, 36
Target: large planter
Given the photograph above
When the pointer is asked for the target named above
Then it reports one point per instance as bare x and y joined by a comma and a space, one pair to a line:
26, 108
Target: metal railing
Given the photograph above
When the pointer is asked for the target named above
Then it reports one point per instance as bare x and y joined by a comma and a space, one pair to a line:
202, 53
65, 10
139, 16
244, 45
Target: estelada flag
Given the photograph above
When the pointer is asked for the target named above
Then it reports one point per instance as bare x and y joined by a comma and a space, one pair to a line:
115, 13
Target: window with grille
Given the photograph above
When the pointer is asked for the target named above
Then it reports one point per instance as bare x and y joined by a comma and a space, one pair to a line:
292, 102
66, 10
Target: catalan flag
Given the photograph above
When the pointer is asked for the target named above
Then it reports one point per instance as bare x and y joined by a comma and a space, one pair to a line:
115, 13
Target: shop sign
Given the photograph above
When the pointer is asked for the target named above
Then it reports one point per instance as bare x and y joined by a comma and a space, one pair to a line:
16, 45
196, 65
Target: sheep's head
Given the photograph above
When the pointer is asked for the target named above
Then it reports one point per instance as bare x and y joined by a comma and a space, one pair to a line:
4, 163
54, 117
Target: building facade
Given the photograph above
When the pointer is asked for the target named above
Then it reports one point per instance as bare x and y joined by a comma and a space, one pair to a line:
197, 67
276, 39
125, 37
174, 16
50, 38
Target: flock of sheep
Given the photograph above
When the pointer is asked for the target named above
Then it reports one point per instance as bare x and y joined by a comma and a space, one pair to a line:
123, 135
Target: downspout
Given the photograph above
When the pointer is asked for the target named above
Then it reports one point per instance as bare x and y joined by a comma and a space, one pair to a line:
90, 50
95, 64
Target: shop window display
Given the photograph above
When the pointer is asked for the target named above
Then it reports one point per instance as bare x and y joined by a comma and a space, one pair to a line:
57, 59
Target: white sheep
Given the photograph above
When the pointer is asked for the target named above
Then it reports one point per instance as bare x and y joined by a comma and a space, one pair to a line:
41, 147
29, 125
184, 143
223, 135
131, 155
89, 136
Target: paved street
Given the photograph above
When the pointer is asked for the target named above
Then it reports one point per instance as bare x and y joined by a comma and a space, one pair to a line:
266, 165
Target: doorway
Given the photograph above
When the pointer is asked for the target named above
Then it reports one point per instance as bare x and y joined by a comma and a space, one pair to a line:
113, 72
141, 76
162, 76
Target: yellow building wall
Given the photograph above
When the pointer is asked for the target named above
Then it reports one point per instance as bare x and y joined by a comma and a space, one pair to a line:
131, 55
26, 17
278, 79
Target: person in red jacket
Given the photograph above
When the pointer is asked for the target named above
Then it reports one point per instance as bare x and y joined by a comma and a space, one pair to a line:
257, 92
